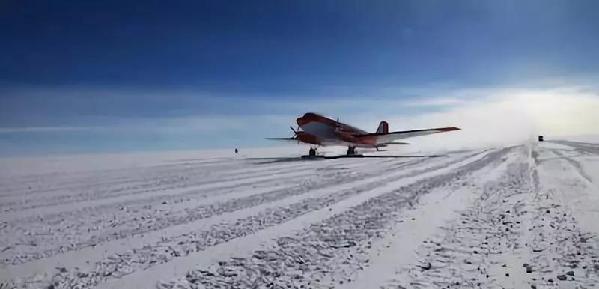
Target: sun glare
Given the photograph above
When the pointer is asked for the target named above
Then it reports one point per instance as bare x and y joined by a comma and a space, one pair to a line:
561, 113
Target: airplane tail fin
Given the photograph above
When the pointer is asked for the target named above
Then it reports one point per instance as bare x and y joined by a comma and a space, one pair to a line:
383, 127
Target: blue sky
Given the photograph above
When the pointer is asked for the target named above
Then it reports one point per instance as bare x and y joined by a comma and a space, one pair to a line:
87, 76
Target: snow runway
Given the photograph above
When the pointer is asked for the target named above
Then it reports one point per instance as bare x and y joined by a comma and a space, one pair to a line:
467, 218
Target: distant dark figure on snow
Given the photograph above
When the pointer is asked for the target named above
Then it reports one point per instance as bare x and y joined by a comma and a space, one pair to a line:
236, 151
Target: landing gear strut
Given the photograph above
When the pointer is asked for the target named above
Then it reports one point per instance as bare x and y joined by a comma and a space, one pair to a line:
312, 152
351, 151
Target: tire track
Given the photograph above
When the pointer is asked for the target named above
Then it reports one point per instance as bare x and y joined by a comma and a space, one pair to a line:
308, 256
513, 237
152, 174
202, 194
270, 217
587, 148
145, 223
84, 179
562, 255
32, 184
154, 195
66, 201
576, 165
477, 247
392, 254
113, 247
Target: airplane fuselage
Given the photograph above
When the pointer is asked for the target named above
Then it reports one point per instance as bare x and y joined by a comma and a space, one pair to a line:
319, 130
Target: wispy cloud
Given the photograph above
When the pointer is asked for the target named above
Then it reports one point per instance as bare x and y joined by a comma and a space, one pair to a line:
434, 101
487, 116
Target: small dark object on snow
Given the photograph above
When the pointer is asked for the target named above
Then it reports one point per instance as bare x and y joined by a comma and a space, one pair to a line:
343, 244
541, 138
427, 267
570, 273
561, 277
528, 269
236, 151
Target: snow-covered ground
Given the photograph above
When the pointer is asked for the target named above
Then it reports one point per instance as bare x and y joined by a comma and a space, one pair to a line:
524, 216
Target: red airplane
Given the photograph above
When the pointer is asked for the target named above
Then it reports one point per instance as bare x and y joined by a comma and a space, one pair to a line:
317, 130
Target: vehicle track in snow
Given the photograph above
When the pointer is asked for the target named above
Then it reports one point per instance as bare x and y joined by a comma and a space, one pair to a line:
270, 217
80, 230
326, 253
72, 182
585, 148
160, 193
575, 164
61, 182
471, 248
156, 184
516, 227
513, 236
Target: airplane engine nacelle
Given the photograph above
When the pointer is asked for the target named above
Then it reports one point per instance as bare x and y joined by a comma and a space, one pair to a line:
307, 138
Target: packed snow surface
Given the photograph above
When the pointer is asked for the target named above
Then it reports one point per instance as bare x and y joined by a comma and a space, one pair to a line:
524, 216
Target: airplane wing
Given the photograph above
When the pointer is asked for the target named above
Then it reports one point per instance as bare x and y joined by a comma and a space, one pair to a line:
383, 138
287, 139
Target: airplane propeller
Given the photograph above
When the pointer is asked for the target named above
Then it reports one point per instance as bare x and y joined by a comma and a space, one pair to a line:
293, 138
295, 132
